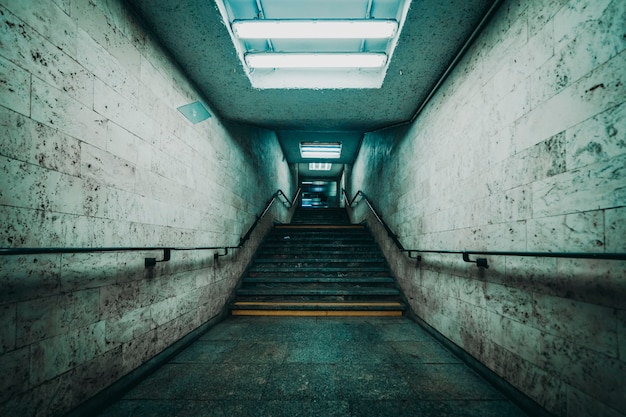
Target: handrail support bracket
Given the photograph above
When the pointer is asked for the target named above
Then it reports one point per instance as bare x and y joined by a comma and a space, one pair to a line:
167, 255
480, 262
217, 255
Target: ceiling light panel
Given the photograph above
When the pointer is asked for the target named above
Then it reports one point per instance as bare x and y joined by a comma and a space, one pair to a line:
315, 29
320, 150
320, 166
363, 29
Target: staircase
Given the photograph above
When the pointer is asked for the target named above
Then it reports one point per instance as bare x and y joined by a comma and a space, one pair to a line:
319, 265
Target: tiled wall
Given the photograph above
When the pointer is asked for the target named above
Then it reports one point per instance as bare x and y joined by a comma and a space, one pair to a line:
522, 149
93, 153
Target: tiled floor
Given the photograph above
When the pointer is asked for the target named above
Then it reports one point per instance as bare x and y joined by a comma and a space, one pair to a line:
257, 366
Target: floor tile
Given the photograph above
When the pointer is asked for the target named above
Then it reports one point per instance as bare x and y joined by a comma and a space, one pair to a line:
448, 382
302, 381
423, 352
206, 351
377, 381
144, 408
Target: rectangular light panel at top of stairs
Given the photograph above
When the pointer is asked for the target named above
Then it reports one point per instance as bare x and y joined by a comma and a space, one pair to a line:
320, 166
320, 150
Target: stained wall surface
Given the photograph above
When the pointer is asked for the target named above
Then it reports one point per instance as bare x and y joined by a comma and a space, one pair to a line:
521, 149
93, 153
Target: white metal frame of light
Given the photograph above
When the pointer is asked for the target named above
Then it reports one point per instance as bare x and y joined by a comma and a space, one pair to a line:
315, 29
320, 150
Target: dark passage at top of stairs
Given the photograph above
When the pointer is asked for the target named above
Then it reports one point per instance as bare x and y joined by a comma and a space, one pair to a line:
319, 265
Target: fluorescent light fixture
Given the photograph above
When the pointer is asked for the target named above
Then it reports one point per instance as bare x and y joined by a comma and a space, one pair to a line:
194, 112
320, 150
315, 29
315, 60
320, 166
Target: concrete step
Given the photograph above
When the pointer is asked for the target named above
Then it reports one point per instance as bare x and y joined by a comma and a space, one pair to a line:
285, 290
289, 253
318, 269
317, 261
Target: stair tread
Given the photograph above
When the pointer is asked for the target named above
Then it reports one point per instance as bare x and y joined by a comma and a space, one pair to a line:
318, 291
318, 279
315, 305
320, 260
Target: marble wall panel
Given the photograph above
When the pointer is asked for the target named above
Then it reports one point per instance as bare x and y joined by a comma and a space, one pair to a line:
29, 277
15, 363
576, 232
599, 90
7, 327
37, 55
569, 20
34, 187
621, 334
35, 143
14, 87
595, 41
122, 329
598, 375
51, 107
525, 61
105, 67
597, 139
123, 112
117, 300
595, 281
591, 187
94, 375
108, 23
139, 350
580, 404
509, 302
50, 21
47, 317
105, 168
589, 325
56, 355
89, 270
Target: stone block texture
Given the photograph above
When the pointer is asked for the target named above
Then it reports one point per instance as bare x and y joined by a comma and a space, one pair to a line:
522, 148
93, 153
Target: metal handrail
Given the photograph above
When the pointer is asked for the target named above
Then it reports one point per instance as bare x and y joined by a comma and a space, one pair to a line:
480, 262
277, 194
167, 250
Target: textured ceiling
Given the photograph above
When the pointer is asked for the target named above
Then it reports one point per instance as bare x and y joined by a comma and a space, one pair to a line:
193, 32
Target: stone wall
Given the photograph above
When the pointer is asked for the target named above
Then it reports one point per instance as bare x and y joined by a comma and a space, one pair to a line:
522, 149
93, 153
